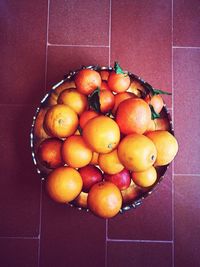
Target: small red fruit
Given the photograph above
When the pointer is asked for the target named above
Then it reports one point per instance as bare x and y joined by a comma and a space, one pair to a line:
121, 179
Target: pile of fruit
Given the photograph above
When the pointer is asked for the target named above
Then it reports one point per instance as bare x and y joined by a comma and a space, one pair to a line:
103, 139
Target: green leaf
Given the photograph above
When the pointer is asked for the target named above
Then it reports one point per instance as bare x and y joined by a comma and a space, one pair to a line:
160, 92
94, 101
154, 115
118, 69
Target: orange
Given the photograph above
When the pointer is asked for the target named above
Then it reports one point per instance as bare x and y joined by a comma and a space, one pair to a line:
130, 194
166, 146
137, 88
145, 178
87, 81
94, 160
52, 99
74, 99
137, 152
64, 184
60, 121
104, 86
102, 134
133, 116
120, 97
104, 199
118, 82
75, 152
158, 124
81, 200
104, 75
49, 153
109, 163
156, 101
86, 116
107, 100
39, 131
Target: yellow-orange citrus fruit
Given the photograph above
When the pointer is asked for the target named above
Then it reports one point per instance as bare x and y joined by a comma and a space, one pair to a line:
120, 97
60, 121
137, 152
87, 81
104, 75
133, 116
156, 101
131, 193
86, 116
102, 134
52, 99
166, 146
158, 124
109, 162
64, 184
145, 178
104, 199
81, 200
39, 131
75, 152
49, 153
118, 82
74, 99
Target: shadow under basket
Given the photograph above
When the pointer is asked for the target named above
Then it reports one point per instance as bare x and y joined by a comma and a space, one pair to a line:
134, 195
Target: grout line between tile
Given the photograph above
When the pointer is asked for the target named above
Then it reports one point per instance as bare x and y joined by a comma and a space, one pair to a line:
76, 45
172, 73
140, 241
109, 31
186, 47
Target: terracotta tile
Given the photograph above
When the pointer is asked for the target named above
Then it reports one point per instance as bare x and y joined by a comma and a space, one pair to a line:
186, 23
19, 183
150, 221
71, 237
18, 252
126, 254
61, 60
141, 40
187, 221
186, 109
23, 42
79, 22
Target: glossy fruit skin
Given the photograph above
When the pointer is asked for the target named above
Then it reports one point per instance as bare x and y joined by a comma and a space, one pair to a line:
118, 82
156, 101
104, 199
102, 134
86, 116
87, 81
75, 100
121, 179
137, 152
104, 75
104, 86
90, 176
64, 184
133, 116
136, 88
166, 146
75, 152
107, 100
120, 97
53, 98
158, 124
39, 131
60, 121
146, 178
95, 157
81, 200
49, 153
130, 194
110, 163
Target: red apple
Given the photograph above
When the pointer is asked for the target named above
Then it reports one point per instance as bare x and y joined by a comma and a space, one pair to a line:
90, 176
121, 179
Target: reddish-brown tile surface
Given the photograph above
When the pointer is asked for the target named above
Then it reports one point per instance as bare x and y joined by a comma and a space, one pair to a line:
186, 23
141, 40
79, 22
20, 186
63, 59
127, 254
23, 42
187, 108
151, 221
18, 252
71, 237
187, 221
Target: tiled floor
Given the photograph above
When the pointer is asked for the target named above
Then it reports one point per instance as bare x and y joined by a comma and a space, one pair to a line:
40, 42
